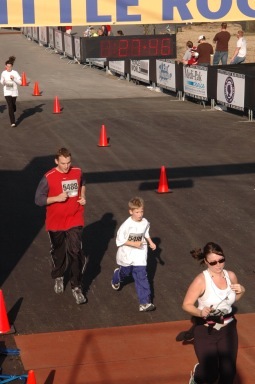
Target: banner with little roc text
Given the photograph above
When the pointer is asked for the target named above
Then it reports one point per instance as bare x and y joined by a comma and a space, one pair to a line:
231, 89
195, 81
19, 13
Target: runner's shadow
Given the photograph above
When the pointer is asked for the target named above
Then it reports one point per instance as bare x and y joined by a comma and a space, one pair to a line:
3, 108
96, 239
29, 112
154, 259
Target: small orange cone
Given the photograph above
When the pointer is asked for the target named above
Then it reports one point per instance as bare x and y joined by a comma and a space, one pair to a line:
103, 139
31, 377
4, 322
56, 106
24, 80
163, 183
36, 90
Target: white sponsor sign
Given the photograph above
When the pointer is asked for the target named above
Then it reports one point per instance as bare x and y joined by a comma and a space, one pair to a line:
117, 66
195, 81
140, 70
231, 89
68, 41
58, 40
29, 31
35, 33
43, 36
98, 62
77, 48
165, 71
51, 37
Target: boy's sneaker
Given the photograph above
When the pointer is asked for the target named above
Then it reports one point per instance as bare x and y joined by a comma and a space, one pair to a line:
78, 295
146, 307
192, 373
116, 286
59, 285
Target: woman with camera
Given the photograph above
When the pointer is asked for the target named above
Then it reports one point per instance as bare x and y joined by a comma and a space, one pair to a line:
215, 336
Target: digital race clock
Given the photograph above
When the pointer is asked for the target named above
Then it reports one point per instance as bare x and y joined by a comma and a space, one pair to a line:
130, 47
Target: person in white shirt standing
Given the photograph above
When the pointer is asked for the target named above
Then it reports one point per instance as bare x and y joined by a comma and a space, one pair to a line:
10, 79
239, 55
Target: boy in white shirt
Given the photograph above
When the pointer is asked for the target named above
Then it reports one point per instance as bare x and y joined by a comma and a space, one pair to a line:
132, 242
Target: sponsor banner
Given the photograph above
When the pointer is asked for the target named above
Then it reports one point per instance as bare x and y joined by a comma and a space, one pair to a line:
51, 38
140, 70
77, 48
98, 62
118, 67
35, 33
195, 81
69, 47
18, 13
43, 35
165, 71
231, 89
58, 38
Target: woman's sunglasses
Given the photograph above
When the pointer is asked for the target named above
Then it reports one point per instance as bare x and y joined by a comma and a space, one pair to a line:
216, 262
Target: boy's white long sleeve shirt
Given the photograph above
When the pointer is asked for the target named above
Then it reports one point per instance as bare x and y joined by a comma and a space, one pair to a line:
132, 230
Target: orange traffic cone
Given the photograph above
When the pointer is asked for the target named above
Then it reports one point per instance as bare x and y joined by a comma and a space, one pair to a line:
36, 90
56, 106
163, 183
24, 80
4, 322
103, 139
31, 377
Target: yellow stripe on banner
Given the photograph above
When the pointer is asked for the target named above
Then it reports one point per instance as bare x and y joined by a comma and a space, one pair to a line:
79, 12
47, 12
15, 13
149, 11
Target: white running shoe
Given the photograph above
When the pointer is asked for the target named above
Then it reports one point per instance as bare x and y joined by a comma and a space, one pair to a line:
146, 307
59, 285
78, 295
192, 373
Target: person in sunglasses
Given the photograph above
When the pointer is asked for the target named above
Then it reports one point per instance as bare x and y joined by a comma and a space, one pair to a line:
209, 299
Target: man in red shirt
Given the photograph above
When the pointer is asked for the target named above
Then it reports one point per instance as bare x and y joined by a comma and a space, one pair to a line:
62, 191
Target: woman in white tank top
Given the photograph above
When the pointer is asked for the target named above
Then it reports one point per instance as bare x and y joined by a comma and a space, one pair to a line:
209, 299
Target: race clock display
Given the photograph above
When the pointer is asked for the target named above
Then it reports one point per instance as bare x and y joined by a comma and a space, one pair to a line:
130, 47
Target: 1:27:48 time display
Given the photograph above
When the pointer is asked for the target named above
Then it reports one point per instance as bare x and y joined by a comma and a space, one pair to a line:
123, 48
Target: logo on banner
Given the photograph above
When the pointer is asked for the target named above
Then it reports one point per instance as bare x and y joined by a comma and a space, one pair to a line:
164, 74
140, 66
229, 89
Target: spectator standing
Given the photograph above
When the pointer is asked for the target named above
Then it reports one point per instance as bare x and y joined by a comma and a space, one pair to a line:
221, 51
132, 238
105, 30
187, 53
214, 290
109, 30
10, 79
205, 50
239, 55
62, 191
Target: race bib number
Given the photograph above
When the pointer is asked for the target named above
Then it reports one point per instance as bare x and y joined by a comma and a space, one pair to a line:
9, 86
71, 187
135, 237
